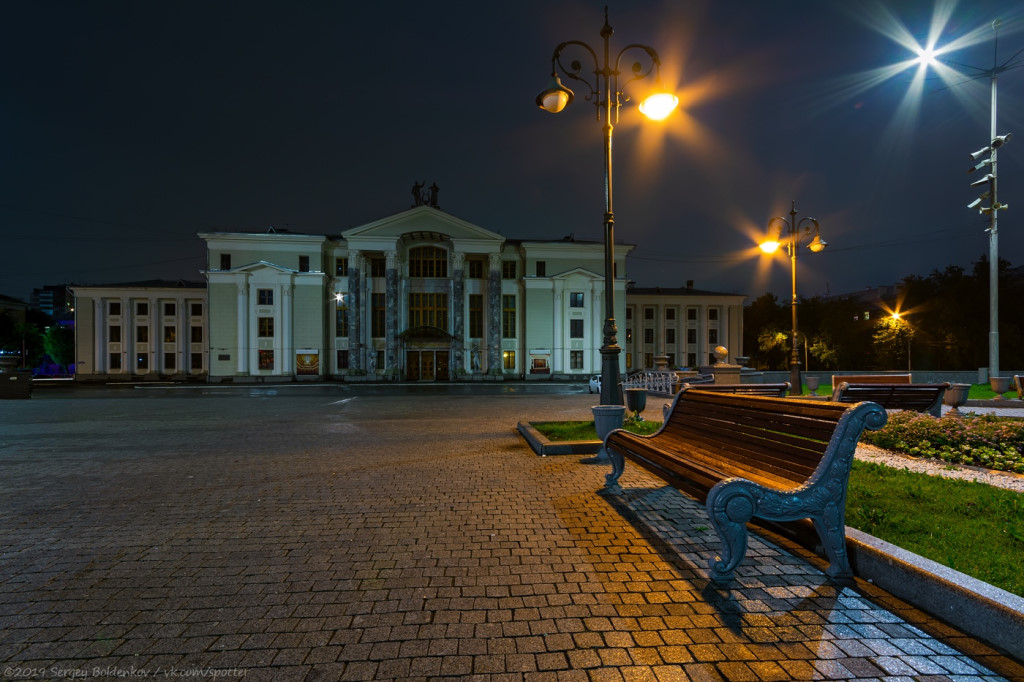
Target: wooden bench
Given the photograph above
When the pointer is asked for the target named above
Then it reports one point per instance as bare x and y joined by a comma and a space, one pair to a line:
745, 456
1018, 384
776, 390
919, 397
869, 379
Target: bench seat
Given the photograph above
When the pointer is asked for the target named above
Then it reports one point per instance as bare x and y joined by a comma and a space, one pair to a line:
918, 397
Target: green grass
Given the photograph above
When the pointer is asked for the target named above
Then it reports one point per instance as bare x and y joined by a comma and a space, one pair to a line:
582, 430
971, 527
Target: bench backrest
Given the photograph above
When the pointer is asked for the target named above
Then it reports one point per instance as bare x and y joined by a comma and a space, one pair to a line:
920, 397
784, 438
1018, 383
869, 379
746, 389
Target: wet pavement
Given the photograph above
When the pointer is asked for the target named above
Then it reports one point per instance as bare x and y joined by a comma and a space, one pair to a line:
396, 532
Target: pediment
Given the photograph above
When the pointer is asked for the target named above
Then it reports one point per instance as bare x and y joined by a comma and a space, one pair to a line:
425, 220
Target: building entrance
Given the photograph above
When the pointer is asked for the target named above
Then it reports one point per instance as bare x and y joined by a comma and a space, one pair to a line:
426, 365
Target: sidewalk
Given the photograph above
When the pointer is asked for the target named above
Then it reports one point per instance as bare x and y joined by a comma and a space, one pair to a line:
324, 534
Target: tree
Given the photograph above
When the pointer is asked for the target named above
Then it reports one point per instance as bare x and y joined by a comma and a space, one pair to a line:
892, 342
59, 343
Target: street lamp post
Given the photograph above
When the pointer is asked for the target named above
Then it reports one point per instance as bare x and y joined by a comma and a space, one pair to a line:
794, 233
607, 96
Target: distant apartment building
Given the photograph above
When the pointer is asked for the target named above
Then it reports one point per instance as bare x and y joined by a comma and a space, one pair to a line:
54, 300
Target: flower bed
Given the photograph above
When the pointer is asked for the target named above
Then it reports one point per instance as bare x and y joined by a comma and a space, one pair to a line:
982, 440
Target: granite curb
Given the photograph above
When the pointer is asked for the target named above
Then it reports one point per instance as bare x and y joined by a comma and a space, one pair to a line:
975, 607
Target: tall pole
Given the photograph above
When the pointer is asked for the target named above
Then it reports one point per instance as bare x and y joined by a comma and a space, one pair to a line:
796, 385
993, 235
610, 391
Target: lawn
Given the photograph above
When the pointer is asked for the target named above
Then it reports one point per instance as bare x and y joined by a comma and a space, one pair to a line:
971, 527
977, 392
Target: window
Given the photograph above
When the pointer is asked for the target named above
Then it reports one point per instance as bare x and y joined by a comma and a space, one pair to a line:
629, 313
377, 321
169, 362
476, 316
170, 334
142, 334
691, 359
115, 333
428, 261
225, 261
341, 319
265, 297
670, 336
575, 329
428, 310
670, 313
691, 314
380, 360
378, 267
575, 359
341, 267
648, 313
629, 359
115, 308
629, 335
303, 263
508, 269
542, 268
508, 317
576, 299
671, 359
712, 336
142, 361
170, 309
265, 327
265, 359
342, 359
712, 314
197, 310
691, 336
648, 335
648, 359
115, 361
508, 359
196, 334
197, 360
142, 308
476, 269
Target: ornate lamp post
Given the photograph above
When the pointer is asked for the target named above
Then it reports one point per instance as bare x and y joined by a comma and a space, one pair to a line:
794, 234
607, 96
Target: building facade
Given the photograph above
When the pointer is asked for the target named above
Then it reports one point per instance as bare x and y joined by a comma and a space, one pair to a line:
143, 330
684, 324
417, 296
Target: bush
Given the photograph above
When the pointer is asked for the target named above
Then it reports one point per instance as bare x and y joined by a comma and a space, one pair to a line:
982, 440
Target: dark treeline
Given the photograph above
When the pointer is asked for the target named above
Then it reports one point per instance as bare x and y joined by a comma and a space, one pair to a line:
943, 324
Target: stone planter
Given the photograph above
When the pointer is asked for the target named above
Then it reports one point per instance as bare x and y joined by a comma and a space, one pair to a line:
812, 384
607, 418
636, 401
955, 396
1000, 385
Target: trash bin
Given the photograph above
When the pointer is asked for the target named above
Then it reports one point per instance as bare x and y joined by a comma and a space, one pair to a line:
636, 400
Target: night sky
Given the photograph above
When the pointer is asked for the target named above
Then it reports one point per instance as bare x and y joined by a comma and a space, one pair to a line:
128, 127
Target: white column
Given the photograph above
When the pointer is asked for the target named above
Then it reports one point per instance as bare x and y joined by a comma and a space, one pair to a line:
596, 323
243, 327
287, 364
99, 334
559, 337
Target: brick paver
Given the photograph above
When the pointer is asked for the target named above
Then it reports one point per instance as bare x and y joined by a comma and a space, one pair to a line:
353, 534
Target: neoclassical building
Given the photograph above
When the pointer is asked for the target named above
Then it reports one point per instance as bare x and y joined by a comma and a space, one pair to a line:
417, 296
420, 295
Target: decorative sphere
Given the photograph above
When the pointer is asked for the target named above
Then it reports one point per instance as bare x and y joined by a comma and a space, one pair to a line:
721, 353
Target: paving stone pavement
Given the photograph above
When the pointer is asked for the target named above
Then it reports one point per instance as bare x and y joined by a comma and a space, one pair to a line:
340, 533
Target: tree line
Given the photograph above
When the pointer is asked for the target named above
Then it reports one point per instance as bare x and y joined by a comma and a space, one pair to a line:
939, 322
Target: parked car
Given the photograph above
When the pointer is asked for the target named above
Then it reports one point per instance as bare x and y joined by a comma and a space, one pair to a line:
595, 383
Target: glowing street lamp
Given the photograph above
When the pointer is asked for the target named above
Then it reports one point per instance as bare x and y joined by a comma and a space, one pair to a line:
607, 96
793, 234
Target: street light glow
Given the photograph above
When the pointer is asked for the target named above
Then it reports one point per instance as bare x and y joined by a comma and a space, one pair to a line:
659, 105
769, 246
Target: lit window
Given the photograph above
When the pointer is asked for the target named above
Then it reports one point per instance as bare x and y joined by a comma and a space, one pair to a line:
265, 327
428, 261
428, 310
266, 359
508, 269
170, 334
508, 317
508, 359
575, 359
